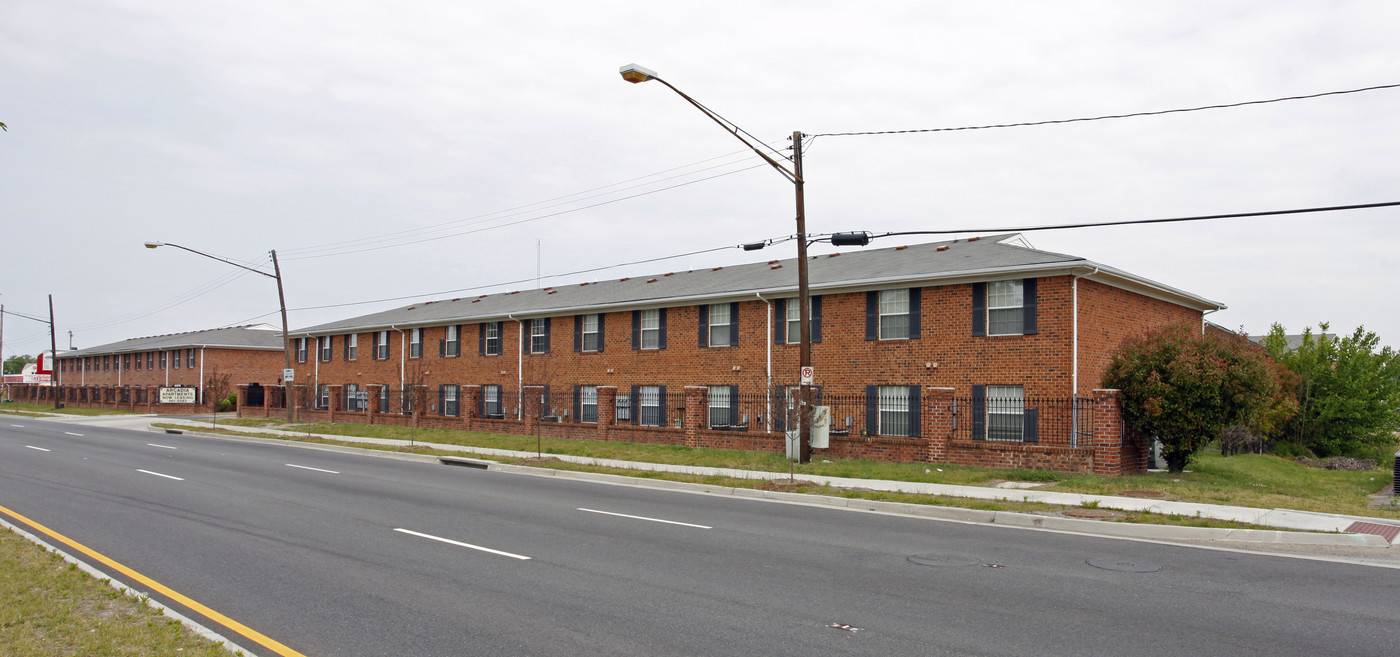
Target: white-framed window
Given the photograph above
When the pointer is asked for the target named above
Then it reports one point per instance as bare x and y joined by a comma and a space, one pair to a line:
649, 406
353, 402
894, 314
793, 320
453, 345
720, 406
352, 341
1004, 307
491, 343
623, 407
588, 403
174, 359
449, 400
650, 327
323, 346
893, 407
590, 336
491, 401
150, 360
189, 358
384, 393
721, 328
323, 396
415, 343
301, 353
539, 336
1006, 408
381, 345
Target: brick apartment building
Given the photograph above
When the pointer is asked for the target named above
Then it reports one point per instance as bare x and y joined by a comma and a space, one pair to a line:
130, 373
983, 350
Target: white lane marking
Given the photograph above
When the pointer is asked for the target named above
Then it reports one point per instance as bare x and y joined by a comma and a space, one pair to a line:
461, 544
17, 426
160, 446
73, 434
160, 475
623, 515
307, 467
38, 448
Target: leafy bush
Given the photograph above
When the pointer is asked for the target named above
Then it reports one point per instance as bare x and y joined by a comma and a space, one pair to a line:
1185, 387
1290, 450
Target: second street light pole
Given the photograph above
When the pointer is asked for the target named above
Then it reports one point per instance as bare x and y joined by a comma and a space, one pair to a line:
635, 74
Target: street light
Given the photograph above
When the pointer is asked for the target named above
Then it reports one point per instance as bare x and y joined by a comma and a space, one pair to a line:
276, 275
636, 74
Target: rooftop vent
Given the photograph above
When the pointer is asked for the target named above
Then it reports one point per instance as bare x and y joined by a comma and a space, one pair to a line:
973, 239
943, 248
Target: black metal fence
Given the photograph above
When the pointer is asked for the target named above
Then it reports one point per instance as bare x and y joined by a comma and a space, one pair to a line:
1066, 422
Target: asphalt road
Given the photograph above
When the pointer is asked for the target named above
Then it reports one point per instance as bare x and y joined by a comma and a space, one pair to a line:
337, 554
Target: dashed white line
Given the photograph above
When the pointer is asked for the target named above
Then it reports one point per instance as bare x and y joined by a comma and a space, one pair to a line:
307, 467
160, 475
73, 434
160, 446
17, 426
38, 448
623, 515
461, 544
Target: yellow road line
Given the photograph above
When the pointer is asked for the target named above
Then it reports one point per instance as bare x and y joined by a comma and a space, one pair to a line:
215, 616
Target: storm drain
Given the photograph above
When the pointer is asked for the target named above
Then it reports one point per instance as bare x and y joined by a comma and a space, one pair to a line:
1125, 565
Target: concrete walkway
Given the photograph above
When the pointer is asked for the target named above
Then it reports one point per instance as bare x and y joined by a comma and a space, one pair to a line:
1283, 519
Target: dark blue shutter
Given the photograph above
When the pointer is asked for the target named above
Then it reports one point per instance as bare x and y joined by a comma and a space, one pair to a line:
578, 332
872, 316
526, 330
979, 412
872, 396
577, 405
816, 319
780, 321
916, 426
442, 344
661, 343
734, 324
480, 399
636, 402
442, 399
979, 309
704, 326
1030, 429
916, 307
1028, 302
601, 332
544, 403
661, 404
636, 329
547, 340
734, 406
346, 348
780, 413
481, 340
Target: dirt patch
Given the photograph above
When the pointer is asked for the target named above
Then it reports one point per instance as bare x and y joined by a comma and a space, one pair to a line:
784, 485
1094, 514
1147, 494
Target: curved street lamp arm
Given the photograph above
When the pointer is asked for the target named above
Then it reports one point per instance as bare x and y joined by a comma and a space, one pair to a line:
733, 130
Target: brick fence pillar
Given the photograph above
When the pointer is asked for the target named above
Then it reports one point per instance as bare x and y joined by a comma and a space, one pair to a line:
697, 400
1108, 433
241, 390
335, 401
938, 419
607, 410
470, 406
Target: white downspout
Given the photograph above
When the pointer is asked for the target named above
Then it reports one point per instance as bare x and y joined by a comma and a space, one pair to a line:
402, 341
1074, 367
519, 367
768, 391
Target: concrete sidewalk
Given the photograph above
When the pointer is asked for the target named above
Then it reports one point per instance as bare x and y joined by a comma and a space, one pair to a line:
1283, 519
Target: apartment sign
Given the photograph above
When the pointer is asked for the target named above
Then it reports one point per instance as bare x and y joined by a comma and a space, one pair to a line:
178, 395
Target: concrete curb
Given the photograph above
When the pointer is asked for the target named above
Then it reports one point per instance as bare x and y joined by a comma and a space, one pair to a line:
975, 516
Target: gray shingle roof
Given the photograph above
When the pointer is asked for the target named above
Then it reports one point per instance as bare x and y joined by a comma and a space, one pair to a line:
259, 337
938, 263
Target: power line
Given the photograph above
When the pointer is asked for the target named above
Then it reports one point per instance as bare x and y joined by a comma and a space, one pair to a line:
1110, 116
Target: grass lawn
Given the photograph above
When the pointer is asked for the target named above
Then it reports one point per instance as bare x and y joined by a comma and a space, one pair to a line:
52, 608
1249, 480
18, 408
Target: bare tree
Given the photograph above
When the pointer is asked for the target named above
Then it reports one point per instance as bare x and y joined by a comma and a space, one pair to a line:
216, 392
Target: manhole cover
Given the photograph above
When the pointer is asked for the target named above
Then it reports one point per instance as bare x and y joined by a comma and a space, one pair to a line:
1126, 565
944, 560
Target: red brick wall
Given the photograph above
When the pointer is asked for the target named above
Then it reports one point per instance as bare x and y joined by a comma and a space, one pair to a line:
1108, 316
243, 366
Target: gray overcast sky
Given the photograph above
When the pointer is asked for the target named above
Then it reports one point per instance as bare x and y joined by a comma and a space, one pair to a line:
239, 127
